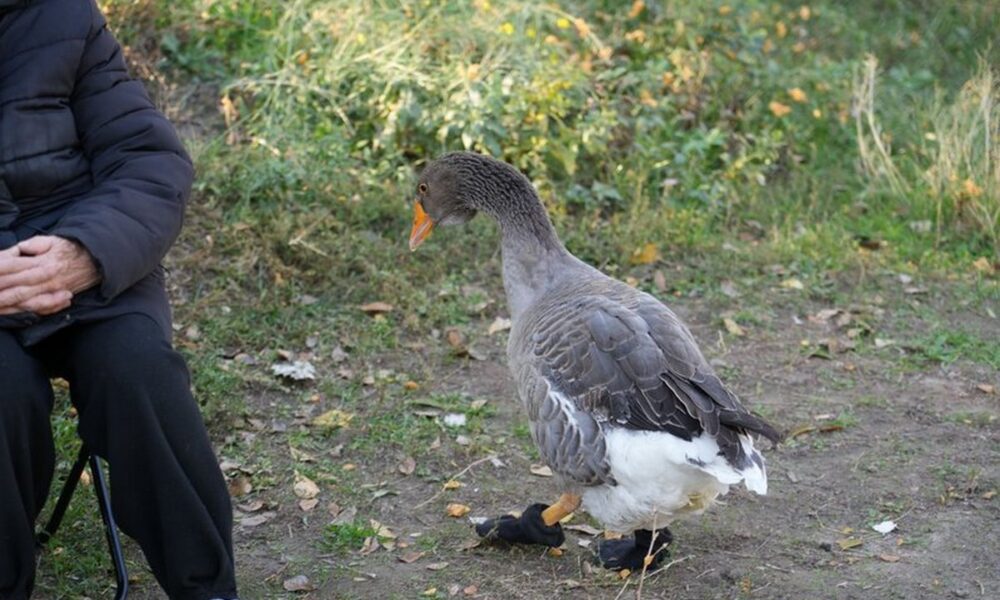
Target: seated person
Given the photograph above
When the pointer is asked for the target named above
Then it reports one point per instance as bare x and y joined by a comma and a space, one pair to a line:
93, 183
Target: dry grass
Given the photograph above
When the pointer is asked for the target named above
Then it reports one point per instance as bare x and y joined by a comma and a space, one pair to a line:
957, 166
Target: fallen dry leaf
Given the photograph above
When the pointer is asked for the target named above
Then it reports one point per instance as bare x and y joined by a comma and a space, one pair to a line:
455, 338
499, 324
470, 590
346, 516
660, 280
258, 519
986, 388
305, 488
848, 543
884, 527
793, 284
889, 558
301, 455
456, 510
451, 484
377, 308
381, 530
645, 255
333, 419
733, 327
238, 486
825, 315
300, 370
883, 343
253, 506
729, 288
408, 465
982, 265
371, 545
541, 470
299, 583
338, 355
410, 557
307, 504
778, 109
470, 544
438, 566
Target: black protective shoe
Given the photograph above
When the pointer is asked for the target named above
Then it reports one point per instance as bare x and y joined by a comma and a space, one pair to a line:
529, 528
630, 553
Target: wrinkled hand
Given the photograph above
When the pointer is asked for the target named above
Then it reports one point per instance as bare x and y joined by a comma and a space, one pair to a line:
42, 273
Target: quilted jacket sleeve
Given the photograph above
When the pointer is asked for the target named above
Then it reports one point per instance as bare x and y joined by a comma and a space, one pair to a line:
142, 175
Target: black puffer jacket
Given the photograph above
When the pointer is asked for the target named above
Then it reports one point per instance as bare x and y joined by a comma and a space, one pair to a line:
86, 156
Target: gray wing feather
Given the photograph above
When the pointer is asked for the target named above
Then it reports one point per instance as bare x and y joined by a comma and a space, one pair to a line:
568, 439
624, 359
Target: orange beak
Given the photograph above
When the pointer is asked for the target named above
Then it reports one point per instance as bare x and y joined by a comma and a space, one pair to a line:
422, 226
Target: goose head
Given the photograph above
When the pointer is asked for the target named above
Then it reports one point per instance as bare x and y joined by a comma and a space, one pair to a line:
444, 195
458, 185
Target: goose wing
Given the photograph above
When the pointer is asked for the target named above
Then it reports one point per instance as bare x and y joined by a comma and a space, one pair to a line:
625, 360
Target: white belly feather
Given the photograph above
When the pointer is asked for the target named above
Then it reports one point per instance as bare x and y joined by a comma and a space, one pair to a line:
661, 477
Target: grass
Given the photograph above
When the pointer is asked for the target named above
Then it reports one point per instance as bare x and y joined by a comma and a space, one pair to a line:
347, 537
952, 180
754, 142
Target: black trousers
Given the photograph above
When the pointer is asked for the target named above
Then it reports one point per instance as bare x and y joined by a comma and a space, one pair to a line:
133, 396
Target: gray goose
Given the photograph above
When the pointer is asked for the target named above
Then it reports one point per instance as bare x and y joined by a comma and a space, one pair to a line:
622, 405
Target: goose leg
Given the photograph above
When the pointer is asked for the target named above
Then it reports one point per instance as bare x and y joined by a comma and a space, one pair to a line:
538, 524
645, 548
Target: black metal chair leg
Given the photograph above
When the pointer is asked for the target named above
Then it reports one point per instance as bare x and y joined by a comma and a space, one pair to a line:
110, 527
107, 516
64, 497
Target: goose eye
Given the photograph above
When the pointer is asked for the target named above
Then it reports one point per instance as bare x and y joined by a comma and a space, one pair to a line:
422, 188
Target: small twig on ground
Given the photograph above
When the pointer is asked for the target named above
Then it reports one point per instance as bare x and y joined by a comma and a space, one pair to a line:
468, 467
665, 567
649, 557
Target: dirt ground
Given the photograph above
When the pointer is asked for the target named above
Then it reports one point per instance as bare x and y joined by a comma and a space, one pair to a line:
874, 434
870, 440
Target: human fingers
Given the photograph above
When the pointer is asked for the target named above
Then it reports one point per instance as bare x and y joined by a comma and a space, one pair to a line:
16, 297
37, 272
14, 263
50, 303
40, 244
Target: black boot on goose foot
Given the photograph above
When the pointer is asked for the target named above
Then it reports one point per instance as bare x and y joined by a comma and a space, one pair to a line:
529, 528
630, 553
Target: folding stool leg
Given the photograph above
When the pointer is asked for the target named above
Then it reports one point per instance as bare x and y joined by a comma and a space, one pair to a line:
103, 503
64, 497
110, 528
